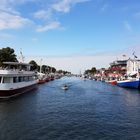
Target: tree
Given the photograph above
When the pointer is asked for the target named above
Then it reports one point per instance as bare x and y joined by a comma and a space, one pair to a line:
63, 72
87, 72
7, 55
93, 70
34, 65
53, 69
44, 69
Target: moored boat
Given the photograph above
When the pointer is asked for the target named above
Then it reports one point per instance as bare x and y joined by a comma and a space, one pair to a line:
132, 74
41, 78
41, 81
16, 78
130, 83
112, 82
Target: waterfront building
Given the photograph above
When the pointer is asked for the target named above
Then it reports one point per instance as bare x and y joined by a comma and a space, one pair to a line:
133, 67
118, 67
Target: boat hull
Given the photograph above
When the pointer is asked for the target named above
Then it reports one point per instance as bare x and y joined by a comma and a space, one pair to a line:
5, 94
129, 84
64, 88
113, 82
41, 81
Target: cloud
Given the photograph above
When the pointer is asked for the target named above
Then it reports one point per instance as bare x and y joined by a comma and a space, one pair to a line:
43, 14
49, 26
75, 64
104, 7
11, 21
62, 6
11, 18
9, 5
127, 26
65, 5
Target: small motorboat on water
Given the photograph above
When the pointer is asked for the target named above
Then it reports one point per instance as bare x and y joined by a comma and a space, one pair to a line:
64, 87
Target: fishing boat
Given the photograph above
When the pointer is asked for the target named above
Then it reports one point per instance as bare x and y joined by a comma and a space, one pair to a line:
16, 78
112, 82
130, 83
133, 74
41, 78
41, 81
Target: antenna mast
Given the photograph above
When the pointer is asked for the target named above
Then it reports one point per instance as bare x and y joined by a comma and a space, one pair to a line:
21, 57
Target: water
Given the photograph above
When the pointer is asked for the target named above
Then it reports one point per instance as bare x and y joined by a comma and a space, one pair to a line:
89, 110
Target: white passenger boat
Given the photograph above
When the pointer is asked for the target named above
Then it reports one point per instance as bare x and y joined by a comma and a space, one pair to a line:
16, 78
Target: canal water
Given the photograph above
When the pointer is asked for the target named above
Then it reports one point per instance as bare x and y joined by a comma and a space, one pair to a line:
89, 110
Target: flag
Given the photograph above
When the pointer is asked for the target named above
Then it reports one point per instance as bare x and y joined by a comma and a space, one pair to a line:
134, 55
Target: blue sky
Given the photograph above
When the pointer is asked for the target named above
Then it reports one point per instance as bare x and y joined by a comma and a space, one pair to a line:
71, 34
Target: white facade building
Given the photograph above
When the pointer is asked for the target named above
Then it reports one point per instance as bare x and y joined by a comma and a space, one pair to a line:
133, 66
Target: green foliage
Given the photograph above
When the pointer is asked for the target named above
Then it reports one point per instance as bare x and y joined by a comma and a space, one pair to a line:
64, 72
53, 69
46, 69
34, 65
91, 71
7, 55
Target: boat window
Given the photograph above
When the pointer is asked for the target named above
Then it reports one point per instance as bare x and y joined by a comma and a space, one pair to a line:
26, 78
15, 79
20, 79
35, 77
7, 80
30, 78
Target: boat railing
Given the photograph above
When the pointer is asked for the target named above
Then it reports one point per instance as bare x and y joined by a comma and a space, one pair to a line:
15, 71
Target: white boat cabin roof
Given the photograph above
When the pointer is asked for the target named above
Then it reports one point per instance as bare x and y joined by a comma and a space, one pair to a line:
15, 66
17, 63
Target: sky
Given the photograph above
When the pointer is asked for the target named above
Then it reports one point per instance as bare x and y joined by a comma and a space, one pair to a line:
73, 35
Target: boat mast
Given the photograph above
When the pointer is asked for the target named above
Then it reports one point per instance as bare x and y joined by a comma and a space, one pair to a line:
40, 65
21, 57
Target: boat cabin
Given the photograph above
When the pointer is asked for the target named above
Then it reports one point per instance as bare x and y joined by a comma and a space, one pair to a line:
16, 66
15, 72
